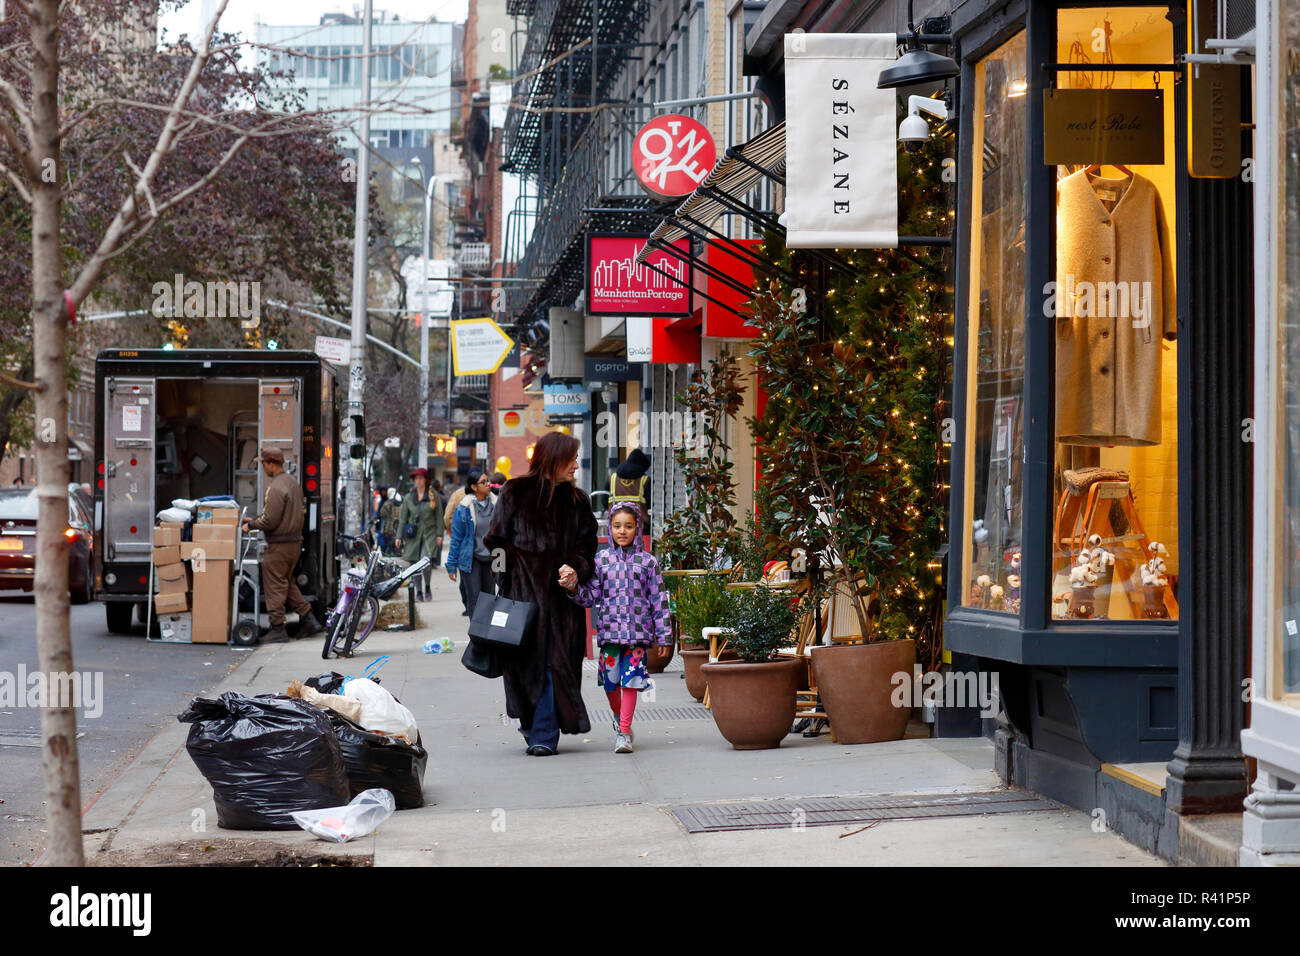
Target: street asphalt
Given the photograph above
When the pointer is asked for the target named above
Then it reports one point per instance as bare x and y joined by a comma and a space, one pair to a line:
145, 684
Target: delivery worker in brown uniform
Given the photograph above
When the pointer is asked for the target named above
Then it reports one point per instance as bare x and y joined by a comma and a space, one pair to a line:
281, 522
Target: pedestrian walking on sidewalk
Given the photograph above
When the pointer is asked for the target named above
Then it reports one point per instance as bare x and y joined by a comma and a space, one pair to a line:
418, 527
386, 521
543, 521
281, 522
630, 612
468, 556
630, 482
441, 504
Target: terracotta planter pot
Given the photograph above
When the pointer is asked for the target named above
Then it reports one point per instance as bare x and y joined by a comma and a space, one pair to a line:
692, 658
656, 664
856, 683
753, 704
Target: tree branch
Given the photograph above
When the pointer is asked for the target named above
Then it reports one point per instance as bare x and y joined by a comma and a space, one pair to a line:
19, 383
128, 212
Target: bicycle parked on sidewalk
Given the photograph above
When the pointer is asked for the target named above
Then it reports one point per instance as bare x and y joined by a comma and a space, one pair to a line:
360, 595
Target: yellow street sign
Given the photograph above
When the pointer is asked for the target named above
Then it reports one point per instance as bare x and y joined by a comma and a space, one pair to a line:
478, 346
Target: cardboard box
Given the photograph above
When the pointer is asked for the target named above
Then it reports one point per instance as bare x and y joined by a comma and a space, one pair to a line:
212, 603
171, 554
225, 516
215, 541
167, 536
203, 516
171, 578
175, 628
171, 603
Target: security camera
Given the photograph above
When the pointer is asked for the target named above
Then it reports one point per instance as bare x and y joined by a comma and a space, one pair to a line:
914, 131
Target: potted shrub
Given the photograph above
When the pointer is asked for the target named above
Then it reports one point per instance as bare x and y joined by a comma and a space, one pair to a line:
753, 698
700, 601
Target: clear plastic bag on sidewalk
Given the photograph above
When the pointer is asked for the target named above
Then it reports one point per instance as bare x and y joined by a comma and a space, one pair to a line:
359, 818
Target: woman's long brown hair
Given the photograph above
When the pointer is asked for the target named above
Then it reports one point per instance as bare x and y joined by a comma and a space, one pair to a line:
554, 451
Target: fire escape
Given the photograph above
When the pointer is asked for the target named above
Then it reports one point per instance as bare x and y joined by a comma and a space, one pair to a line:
563, 136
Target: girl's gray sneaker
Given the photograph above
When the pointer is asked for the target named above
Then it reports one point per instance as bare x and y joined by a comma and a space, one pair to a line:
623, 744
631, 734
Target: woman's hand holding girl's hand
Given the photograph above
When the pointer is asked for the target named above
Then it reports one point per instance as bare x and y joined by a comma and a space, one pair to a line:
568, 578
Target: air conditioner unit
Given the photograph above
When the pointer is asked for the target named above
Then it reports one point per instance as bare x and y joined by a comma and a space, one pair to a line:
567, 344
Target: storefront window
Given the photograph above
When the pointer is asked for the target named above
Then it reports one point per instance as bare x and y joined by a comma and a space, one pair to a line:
996, 373
1285, 645
1115, 527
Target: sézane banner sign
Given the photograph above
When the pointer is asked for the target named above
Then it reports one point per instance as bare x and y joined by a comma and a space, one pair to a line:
841, 142
1103, 126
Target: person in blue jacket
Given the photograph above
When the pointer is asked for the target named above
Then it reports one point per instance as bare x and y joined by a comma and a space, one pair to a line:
468, 556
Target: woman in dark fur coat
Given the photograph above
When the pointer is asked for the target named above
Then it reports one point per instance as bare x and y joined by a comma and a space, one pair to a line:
543, 521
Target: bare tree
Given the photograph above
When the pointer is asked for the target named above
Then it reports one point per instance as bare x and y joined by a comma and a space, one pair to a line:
33, 122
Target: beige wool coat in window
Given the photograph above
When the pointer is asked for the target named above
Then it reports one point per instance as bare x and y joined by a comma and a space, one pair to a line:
1114, 302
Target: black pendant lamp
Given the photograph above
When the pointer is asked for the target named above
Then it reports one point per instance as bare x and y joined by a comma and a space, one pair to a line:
917, 64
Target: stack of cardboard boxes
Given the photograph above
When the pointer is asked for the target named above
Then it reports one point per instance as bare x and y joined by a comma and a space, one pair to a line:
203, 585
171, 583
211, 554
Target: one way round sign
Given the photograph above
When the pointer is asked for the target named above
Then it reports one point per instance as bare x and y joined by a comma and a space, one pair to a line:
478, 346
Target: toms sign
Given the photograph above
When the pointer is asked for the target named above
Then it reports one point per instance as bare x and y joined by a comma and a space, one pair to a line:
672, 155
566, 399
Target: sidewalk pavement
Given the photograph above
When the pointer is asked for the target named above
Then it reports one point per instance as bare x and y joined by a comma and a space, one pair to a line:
489, 803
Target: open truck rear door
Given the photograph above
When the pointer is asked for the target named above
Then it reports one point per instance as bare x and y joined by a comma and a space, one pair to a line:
129, 453
280, 425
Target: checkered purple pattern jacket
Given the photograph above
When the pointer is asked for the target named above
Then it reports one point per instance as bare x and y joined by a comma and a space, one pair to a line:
627, 597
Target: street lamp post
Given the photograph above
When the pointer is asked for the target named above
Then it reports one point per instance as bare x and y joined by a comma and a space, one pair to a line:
354, 476
423, 461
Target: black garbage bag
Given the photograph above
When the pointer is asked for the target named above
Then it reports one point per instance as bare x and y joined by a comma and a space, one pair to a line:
331, 682
265, 758
327, 683
376, 760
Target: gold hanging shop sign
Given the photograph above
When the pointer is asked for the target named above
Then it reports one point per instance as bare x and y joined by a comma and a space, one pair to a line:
1213, 112
1081, 127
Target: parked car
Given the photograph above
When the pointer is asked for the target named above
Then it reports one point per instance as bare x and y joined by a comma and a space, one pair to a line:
18, 510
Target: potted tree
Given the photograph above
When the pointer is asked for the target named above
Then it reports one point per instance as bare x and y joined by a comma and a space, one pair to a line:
852, 443
753, 698
699, 601
699, 537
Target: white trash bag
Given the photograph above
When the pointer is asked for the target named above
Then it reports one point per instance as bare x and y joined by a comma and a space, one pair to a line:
361, 817
380, 711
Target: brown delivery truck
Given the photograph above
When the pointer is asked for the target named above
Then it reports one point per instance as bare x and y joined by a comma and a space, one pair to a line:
188, 424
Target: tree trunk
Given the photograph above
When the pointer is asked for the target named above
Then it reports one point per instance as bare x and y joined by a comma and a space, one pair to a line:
49, 325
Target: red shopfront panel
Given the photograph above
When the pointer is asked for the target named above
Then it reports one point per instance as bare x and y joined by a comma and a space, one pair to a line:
720, 322
675, 341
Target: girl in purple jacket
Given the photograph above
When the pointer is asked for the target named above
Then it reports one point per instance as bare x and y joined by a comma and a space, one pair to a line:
630, 614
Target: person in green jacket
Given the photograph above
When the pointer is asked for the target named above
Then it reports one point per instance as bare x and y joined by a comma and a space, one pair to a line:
421, 512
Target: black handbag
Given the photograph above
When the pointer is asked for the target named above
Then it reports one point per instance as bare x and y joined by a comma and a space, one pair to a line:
409, 529
501, 622
482, 659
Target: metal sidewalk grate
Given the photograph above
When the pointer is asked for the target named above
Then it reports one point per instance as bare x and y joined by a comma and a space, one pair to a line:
672, 713
600, 714
831, 811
